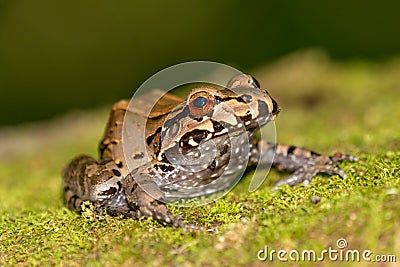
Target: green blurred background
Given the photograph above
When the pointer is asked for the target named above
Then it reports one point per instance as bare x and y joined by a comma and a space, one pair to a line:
61, 55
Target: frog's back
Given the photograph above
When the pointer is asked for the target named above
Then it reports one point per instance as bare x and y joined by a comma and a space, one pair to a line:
136, 121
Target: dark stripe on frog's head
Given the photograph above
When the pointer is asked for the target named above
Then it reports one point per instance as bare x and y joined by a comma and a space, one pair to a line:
150, 138
172, 123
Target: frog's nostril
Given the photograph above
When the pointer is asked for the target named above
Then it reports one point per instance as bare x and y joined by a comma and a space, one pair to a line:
247, 98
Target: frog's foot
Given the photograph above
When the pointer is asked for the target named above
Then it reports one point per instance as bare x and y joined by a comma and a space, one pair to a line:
75, 203
146, 200
149, 207
116, 212
319, 164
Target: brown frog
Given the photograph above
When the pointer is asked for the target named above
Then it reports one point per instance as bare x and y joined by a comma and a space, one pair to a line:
213, 123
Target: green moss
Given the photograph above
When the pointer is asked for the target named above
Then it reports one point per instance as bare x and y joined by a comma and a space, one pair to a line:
351, 107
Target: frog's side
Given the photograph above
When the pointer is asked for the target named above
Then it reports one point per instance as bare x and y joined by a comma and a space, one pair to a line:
201, 123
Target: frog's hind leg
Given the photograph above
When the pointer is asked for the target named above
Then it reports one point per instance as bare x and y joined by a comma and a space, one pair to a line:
86, 179
74, 181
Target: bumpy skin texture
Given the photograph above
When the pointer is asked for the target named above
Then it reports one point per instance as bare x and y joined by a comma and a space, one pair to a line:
199, 121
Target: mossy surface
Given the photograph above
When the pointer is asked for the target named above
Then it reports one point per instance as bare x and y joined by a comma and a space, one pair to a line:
352, 107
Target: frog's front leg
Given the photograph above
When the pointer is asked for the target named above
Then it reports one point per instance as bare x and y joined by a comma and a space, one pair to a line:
305, 164
146, 198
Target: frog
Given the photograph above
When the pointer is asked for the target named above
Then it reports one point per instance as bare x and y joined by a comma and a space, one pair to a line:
211, 119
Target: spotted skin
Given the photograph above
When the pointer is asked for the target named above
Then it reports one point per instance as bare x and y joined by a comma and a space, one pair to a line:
200, 123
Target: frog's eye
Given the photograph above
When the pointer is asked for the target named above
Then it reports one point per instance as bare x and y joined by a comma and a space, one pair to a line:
200, 104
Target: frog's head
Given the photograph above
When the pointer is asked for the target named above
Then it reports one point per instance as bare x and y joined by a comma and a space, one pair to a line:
241, 103
207, 136
212, 112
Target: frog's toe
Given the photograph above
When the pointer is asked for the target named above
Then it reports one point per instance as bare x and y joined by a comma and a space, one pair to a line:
339, 157
306, 174
191, 227
299, 176
331, 170
341, 173
159, 212
176, 221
